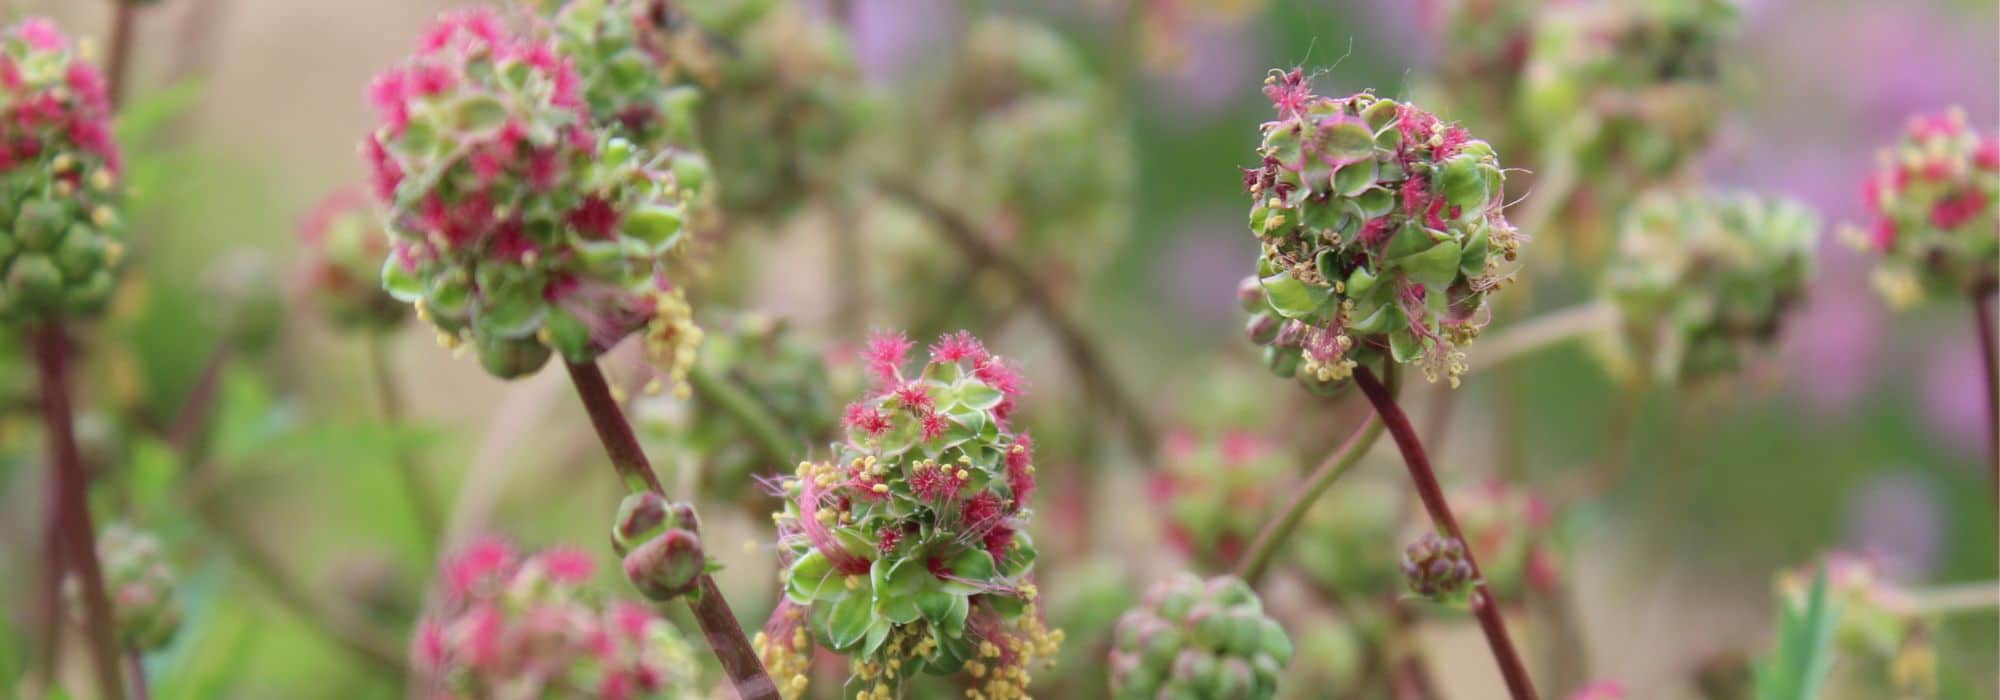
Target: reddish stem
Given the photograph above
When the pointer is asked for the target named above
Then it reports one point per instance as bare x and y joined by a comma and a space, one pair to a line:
135, 669
120, 57
52, 358
1511, 668
719, 625
49, 616
1982, 309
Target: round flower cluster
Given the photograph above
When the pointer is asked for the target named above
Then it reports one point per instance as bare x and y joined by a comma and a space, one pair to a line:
785, 103
1217, 493
1191, 638
59, 168
1482, 47
1513, 533
1931, 211
345, 245
141, 586
1381, 232
1702, 282
1437, 568
524, 221
1624, 92
786, 377
514, 626
661, 543
906, 551
1339, 544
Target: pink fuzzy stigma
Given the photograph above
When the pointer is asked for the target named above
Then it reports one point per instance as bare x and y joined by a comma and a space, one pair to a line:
884, 356
958, 346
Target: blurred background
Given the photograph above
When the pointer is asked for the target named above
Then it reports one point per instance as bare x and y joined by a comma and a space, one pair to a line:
1862, 430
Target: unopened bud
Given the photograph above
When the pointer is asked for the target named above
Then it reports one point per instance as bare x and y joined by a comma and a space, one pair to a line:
667, 566
1437, 567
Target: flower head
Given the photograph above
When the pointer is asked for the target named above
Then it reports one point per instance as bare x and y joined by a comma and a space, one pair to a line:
523, 220
1195, 638
907, 551
140, 582
59, 178
1217, 490
1381, 232
345, 245
530, 624
1437, 567
1702, 282
1931, 211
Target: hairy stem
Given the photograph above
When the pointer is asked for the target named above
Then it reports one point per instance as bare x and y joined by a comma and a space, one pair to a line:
1432, 495
719, 626
746, 410
1082, 352
1982, 309
1274, 533
423, 500
78, 535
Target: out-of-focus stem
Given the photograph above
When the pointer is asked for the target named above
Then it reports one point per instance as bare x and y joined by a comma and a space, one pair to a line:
51, 349
1542, 332
1082, 352
49, 615
423, 500
1431, 493
746, 410
191, 425
117, 63
1982, 309
1258, 557
135, 674
1951, 599
719, 626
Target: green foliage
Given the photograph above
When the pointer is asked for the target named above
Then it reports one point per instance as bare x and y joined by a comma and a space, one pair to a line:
1797, 668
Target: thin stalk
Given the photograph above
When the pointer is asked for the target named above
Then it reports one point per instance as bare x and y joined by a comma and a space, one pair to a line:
191, 425
120, 59
1542, 332
80, 538
1274, 533
746, 410
1982, 309
49, 615
719, 625
135, 674
1951, 599
1082, 352
1432, 495
423, 501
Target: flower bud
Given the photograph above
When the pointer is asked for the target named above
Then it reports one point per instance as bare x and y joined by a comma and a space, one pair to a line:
1436, 567
666, 566
1195, 638
140, 584
1250, 294
59, 179
344, 245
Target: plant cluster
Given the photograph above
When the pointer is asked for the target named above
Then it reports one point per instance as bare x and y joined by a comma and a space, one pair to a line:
141, 582
1215, 492
1931, 208
1381, 235
61, 244
345, 244
905, 550
1198, 639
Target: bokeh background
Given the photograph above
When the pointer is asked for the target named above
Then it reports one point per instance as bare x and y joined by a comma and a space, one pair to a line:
1864, 433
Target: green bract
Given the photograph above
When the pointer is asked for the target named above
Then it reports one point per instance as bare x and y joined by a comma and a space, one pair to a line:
526, 222
1198, 639
1702, 281
59, 168
906, 551
1381, 235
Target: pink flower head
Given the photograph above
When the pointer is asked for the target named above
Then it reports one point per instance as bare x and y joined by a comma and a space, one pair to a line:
42, 34
954, 347
865, 418
1289, 92
431, 647
934, 426
995, 373
1020, 469
1600, 690
483, 562
914, 397
566, 565
884, 355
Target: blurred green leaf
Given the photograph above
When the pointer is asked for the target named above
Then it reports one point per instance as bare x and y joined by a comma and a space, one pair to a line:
1797, 668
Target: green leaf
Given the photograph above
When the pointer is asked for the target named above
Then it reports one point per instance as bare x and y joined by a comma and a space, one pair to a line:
479, 113
1435, 267
658, 226
978, 396
848, 622
1405, 346
1349, 141
1354, 178
954, 619
935, 604
1292, 298
1797, 668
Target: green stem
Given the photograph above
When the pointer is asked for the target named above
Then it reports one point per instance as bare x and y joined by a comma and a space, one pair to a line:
1956, 598
423, 501
1542, 332
746, 410
1274, 533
